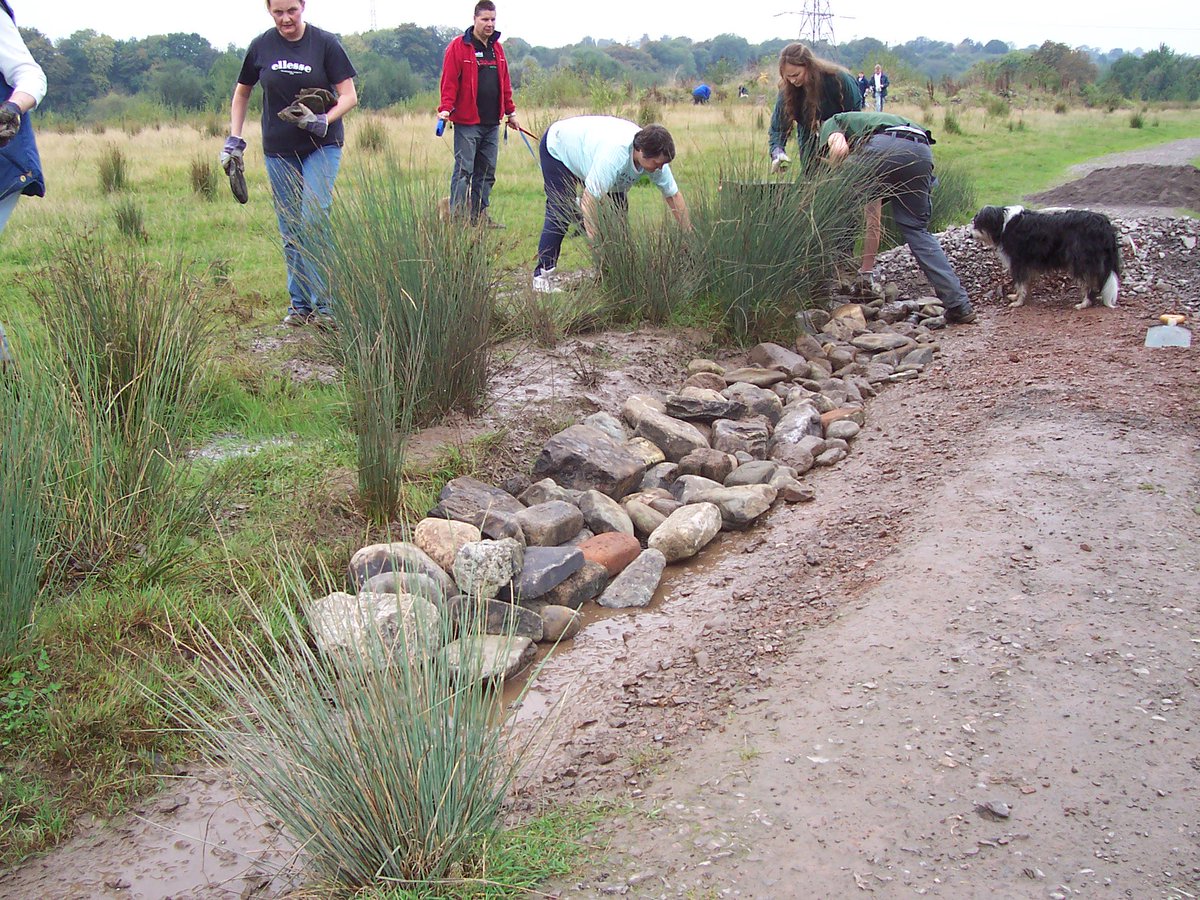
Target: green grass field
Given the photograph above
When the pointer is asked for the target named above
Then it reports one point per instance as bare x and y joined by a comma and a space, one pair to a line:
76, 733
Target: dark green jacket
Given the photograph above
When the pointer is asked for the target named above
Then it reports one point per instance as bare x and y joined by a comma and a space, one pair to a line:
858, 125
839, 93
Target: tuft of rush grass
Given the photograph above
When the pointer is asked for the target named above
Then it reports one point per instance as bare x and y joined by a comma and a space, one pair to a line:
123, 374
765, 247
371, 136
113, 170
204, 177
385, 762
131, 219
414, 307
24, 516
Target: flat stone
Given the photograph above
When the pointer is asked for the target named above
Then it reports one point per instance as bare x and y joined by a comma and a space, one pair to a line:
686, 531
399, 556
488, 508
544, 491
693, 404
586, 584
752, 436
688, 487
613, 550
543, 569
373, 628
489, 657
697, 366
706, 381
507, 618
853, 413
674, 437
602, 513
793, 491
809, 347
759, 471
773, 356
550, 523
920, 356
637, 405
757, 400
755, 375
843, 429
884, 340
609, 424
584, 458
635, 586
740, 505
416, 583
853, 313
830, 457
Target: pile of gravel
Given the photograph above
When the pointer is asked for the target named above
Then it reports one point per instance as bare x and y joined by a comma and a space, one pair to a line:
1158, 256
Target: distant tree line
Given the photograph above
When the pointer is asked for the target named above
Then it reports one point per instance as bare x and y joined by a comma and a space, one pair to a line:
184, 72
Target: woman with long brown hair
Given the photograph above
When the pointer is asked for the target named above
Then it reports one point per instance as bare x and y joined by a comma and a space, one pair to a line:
811, 90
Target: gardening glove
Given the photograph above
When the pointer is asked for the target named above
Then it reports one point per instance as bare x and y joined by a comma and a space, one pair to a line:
235, 167
233, 149
318, 100
10, 121
303, 117
779, 160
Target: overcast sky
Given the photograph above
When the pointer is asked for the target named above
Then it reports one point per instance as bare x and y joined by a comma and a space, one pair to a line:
553, 23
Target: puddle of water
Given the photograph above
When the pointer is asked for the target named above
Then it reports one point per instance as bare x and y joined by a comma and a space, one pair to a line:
231, 446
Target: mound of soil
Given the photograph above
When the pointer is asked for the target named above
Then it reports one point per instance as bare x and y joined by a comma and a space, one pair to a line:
1138, 185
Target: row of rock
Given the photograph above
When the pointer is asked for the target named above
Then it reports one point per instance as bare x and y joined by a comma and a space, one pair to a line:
618, 498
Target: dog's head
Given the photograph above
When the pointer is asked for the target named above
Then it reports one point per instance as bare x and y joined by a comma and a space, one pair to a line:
988, 224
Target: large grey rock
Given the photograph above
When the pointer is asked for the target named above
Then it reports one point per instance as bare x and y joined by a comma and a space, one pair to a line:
798, 422
635, 586
760, 471
758, 401
544, 491
483, 567
543, 569
660, 476
602, 513
416, 583
583, 457
637, 405
373, 628
773, 356
507, 618
686, 531
740, 505
609, 424
399, 556
488, 508
586, 584
694, 404
688, 487
675, 438
551, 523
489, 657
752, 436
708, 463
441, 538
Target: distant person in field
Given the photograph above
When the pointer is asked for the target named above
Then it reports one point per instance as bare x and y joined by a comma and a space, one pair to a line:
879, 85
864, 85
23, 85
811, 90
701, 94
302, 141
898, 153
475, 94
607, 156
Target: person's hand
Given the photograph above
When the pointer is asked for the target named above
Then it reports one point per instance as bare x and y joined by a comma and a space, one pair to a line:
512, 121
443, 114
779, 160
233, 149
10, 121
303, 117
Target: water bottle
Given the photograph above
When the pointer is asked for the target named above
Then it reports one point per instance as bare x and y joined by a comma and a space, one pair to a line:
440, 129
1169, 334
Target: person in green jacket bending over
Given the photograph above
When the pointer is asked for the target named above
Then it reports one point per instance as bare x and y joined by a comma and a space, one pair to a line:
811, 90
897, 151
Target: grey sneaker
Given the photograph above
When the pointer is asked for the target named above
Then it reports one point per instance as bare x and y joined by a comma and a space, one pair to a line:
296, 318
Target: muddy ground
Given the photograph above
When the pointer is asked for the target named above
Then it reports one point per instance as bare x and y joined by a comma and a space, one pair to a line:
968, 669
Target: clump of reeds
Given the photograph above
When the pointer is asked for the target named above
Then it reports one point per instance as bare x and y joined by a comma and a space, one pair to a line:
204, 177
131, 219
114, 170
372, 136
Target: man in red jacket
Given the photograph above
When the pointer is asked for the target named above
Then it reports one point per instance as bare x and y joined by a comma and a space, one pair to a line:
476, 91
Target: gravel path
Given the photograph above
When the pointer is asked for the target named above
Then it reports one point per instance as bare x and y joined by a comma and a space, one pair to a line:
1173, 153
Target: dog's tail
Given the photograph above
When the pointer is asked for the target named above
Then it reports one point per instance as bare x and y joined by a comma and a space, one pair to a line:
1108, 294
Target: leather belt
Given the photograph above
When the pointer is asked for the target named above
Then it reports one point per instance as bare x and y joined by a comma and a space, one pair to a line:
906, 134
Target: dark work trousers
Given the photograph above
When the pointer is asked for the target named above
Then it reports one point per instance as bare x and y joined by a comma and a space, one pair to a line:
906, 168
561, 185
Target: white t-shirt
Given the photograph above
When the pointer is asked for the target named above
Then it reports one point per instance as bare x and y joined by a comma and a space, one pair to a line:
598, 150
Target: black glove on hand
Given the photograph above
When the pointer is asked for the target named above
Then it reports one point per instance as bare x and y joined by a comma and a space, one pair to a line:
10, 121
233, 149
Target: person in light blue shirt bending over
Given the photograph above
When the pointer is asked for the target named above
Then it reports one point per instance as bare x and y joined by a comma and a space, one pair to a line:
607, 156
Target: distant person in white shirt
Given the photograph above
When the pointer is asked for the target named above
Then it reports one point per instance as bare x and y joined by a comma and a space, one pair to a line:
607, 156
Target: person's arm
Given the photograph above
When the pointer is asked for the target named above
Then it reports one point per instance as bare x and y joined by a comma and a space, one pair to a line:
679, 208
347, 99
589, 203
451, 70
20, 69
237, 108
506, 94
871, 238
839, 147
777, 133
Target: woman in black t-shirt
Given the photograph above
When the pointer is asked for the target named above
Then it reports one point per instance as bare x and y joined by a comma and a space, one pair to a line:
303, 146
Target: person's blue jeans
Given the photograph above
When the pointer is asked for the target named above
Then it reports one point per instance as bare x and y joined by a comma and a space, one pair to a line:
476, 148
302, 188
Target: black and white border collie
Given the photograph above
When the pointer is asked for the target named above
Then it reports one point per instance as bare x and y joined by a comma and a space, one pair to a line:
1078, 241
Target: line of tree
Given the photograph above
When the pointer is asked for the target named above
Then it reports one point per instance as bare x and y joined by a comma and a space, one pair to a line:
185, 72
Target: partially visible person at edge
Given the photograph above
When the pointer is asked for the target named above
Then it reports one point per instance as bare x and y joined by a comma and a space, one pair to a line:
811, 90
897, 151
476, 90
864, 85
303, 154
879, 85
607, 156
23, 85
